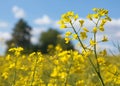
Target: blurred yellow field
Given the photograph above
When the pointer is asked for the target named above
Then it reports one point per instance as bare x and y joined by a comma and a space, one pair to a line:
63, 68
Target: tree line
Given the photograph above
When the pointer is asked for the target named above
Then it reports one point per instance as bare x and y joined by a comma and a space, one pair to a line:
21, 37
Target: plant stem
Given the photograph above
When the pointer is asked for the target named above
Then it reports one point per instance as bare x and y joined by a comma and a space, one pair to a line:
77, 36
96, 57
95, 52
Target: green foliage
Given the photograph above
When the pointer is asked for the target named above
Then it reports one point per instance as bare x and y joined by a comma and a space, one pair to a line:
52, 37
20, 36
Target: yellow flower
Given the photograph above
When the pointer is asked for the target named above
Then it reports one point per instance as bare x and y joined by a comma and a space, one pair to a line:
102, 12
7, 57
103, 53
112, 68
70, 13
32, 54
5, 75
89, 16
58, 48
67, 20
101, 28
18, 49
108, 18
63, 75
61, 22
55, 72
94, 29
103, 21
104, 39
12, 65
63, 26
75, 36
68, 33
83, 35
76, 16
95, 16
92, 42
81, 22
101, 60
85, 29
95, 9
67, 40
56, 62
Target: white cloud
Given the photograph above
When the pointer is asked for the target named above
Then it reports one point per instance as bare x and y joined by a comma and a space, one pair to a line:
5, 36
113, 29
36, 33
3, 24
18, 12
45, 20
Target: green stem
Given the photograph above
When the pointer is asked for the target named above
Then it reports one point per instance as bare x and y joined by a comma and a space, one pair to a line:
95, 53
96, 57
78, 36
82, 45
96, 70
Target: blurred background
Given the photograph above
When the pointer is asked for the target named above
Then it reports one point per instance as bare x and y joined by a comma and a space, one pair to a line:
32, 24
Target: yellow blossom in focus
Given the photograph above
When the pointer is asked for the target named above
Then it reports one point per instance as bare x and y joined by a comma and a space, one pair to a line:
102, 12
68, 33
92, 42
75, 36
101, 28
85, 29
94, 30
103, 21
104, 39
81, 22
76, 16
89, 16
83, 35
95, 16
70, 13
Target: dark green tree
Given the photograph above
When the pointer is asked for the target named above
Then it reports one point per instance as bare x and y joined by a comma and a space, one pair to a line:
21, 36
52, 36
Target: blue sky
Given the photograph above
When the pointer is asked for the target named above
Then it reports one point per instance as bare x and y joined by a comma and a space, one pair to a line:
42, 14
